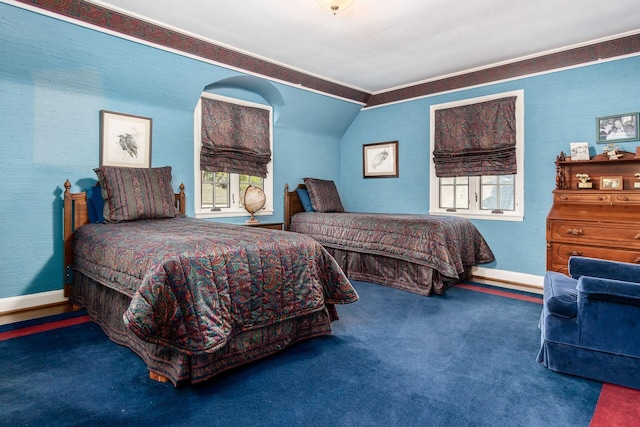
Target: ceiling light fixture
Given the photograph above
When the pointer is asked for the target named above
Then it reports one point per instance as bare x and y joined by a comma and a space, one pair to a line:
335, 6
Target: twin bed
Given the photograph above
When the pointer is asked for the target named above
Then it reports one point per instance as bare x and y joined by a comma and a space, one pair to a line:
423, 254
194, 298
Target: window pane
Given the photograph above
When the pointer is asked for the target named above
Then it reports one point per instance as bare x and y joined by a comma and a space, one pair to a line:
507, 198
454, 193
507, 179
215, 189
446, 197
491, 179
246, 180
500, 194
462, 197
447, 181
489, 196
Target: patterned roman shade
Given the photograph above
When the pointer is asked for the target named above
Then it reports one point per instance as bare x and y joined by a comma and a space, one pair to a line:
235, 138
476, 139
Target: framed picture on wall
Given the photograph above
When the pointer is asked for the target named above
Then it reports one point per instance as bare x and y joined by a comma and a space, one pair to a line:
380, 160
618, 128
125, 140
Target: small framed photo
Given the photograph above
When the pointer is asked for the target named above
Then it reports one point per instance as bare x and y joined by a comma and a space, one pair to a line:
618, 128
611, 183
579, 150
380, 160
125, 140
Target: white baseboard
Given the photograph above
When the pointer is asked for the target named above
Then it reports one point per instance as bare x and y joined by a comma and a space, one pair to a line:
54, 297
530, 280
32, 300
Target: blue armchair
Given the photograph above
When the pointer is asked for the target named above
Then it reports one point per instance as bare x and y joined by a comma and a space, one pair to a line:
590, 322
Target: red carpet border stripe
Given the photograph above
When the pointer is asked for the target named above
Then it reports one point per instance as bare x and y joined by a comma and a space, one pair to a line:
617, 407
506, 294
43, 327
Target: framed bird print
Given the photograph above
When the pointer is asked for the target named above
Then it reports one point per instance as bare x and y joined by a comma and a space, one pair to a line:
380, 160
125, 140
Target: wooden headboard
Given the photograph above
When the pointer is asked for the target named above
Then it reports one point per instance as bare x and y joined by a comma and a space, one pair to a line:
292, 204
76, 214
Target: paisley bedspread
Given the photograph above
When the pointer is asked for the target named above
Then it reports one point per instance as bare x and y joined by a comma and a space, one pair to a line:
194, 283
445, 243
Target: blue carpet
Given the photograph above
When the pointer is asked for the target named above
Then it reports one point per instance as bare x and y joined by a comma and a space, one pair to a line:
394, 359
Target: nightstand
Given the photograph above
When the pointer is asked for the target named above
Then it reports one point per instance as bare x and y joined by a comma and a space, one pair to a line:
269, 225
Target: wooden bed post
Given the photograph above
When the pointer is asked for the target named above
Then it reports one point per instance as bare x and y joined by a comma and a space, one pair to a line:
292, 204
180, 200
75, 215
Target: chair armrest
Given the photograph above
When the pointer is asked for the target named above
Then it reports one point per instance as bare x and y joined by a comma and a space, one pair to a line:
609, 290
605, 269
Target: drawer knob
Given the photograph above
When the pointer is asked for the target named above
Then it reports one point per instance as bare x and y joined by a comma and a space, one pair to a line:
637, 260
564, 197
636, 237
574, 253
575, 232
626, 199
600, 198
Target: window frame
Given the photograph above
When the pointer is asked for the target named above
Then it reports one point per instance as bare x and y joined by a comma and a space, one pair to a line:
474, 211
235, 209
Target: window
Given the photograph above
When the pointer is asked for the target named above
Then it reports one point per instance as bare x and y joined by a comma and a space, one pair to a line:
217, 194
499, 197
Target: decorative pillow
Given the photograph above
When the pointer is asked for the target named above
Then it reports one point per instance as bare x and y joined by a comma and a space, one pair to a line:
95, 204
303, 195
324, 195
136, 193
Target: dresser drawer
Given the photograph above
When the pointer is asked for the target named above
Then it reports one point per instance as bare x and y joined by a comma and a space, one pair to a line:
561, 252
630, 198
597, 233
591, 197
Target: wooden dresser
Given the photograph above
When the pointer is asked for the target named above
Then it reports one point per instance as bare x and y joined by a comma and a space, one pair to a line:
597, 222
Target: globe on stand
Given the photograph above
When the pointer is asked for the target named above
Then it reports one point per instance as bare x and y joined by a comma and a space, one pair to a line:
253, 199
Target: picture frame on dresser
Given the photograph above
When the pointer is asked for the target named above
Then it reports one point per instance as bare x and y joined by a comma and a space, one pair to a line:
611, 183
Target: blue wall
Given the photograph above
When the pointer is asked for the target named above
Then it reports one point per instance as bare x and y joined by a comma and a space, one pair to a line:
560, 108
55, 77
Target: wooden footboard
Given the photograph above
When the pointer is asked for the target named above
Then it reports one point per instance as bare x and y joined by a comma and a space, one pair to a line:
76, 214
292, 204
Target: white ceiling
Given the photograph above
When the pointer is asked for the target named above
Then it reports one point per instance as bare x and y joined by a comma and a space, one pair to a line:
378, 45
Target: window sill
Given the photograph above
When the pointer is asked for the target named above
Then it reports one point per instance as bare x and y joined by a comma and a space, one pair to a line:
231, 214
490, 217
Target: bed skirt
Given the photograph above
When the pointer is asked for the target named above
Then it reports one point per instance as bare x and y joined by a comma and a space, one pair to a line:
393, 272
106, 306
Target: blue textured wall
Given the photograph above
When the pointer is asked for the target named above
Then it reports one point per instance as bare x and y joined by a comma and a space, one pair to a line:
560, 108
55, 77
